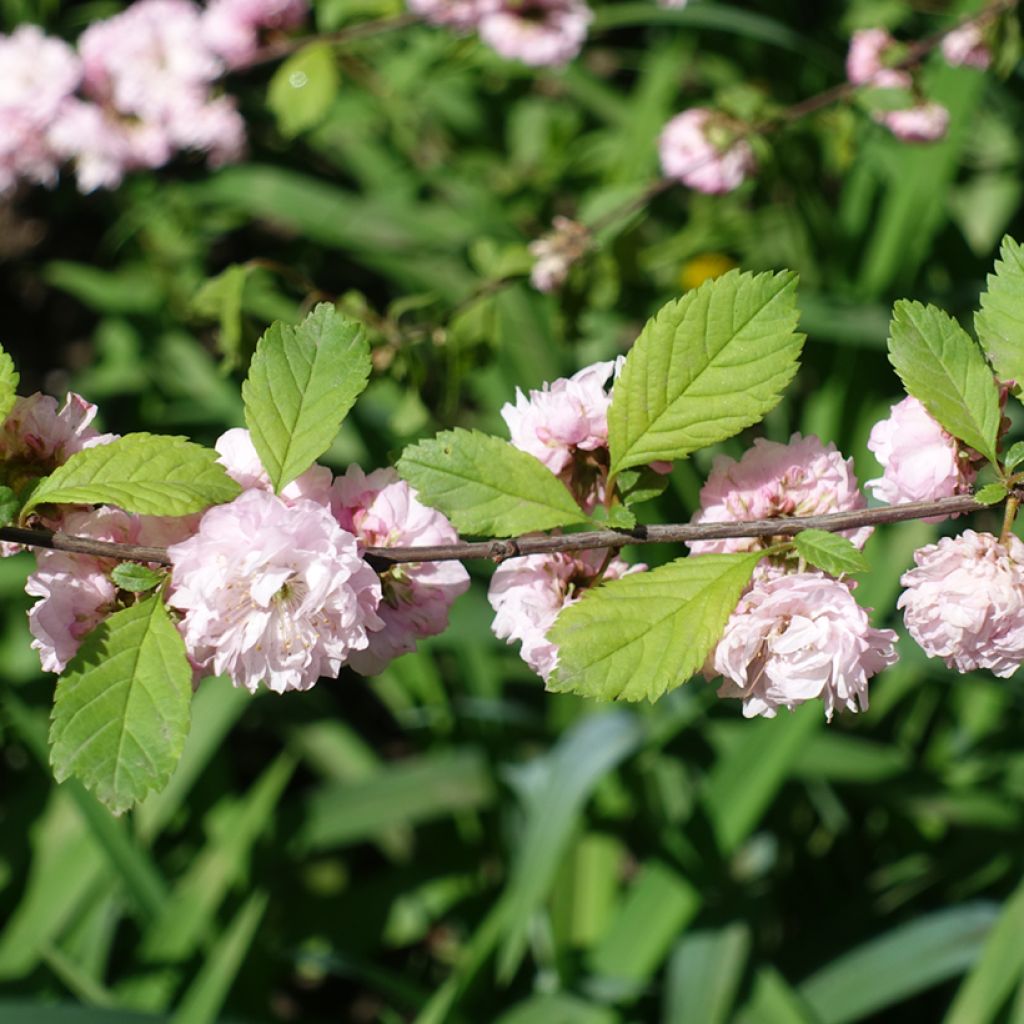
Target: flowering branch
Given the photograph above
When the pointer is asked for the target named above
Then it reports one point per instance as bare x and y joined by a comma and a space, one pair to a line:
533, 544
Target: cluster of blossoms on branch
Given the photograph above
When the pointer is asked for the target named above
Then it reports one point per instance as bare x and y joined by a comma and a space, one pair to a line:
270, 587
137, 89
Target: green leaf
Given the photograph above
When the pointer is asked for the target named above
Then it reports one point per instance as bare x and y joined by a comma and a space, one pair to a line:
10, 504
942, 367
708, 365
9, 379
828, 551
643, 484
144, 473
991, 494
135, 578
644, 634
1014, 457
302, 382
220, 298
486, 486
121, 710
1000, 322
303, 89
618, 517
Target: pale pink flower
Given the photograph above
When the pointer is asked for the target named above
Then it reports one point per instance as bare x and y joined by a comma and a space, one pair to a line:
536, 32
459, 15
920, 461
964, 602
866, 61
383, 511
925, 122
273, 592
772, 480
528, 593
238, 456
966, 47
795, 638
556, 252
232, 28
37, 437
703, 150
98, 144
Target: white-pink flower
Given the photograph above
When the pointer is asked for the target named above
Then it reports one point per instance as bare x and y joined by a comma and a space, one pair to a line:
924, 122
556, 252
459, 15
383, 511
37, 437
795, 638
536, 32
528, 593
703, 150
273, 592
239, 457
920, 461
231, 28
964, 602
966, 47
772, 480
866, 60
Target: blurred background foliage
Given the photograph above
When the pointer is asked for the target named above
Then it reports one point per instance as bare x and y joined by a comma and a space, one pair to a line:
447, 842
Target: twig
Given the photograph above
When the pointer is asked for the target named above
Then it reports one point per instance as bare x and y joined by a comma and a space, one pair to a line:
539, 544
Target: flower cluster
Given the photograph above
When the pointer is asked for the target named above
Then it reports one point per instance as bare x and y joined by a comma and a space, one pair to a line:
536, 32
795, 635
295, 601
706, 151
138, 88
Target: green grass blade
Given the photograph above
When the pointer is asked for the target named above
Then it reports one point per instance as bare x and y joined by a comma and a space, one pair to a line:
704, 974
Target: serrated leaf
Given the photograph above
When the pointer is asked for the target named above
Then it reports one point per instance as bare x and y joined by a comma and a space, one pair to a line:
1000, 322
829, 552
486, 486
121, 710
942, 367
135, 578
639, 485
618, 517
303, 89
637, 637
991, 494
708, 365
302, 382
9, 380
1014, 457
154, 475
10, 505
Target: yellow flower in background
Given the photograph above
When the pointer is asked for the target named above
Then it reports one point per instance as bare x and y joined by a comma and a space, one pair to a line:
707, 265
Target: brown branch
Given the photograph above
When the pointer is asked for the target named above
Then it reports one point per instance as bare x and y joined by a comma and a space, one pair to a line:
542, 544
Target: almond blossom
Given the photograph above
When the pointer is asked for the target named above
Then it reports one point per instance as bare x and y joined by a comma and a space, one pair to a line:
920, 461
528, 593
966, 47
459, 15
239, 457
702, 149
964, 602
273, 592
795, 638
772, 480
536, 32
923, 122
866, 60
232, 28
383, 511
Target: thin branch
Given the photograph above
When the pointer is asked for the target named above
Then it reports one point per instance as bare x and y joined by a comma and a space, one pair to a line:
542, 544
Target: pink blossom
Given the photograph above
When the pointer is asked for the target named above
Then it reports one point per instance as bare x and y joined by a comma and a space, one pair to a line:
231, 28
772, 480
460, 15
925, 122
920, 461
703, 150
536, 32
556, 252
866, 60
966, 47
273, 592
797, 637
98, 143
36, 437
383, 511
238, 456
964, 602
528, 593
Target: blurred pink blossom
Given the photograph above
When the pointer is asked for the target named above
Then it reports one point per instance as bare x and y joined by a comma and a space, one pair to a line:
772, 480
231, 28
920, 461
459, 15
273, 593
795, 638
924, 122
701, 148
528, 593
383, 511
964, 602
966, 47
866, 60
536, 32
556, 252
